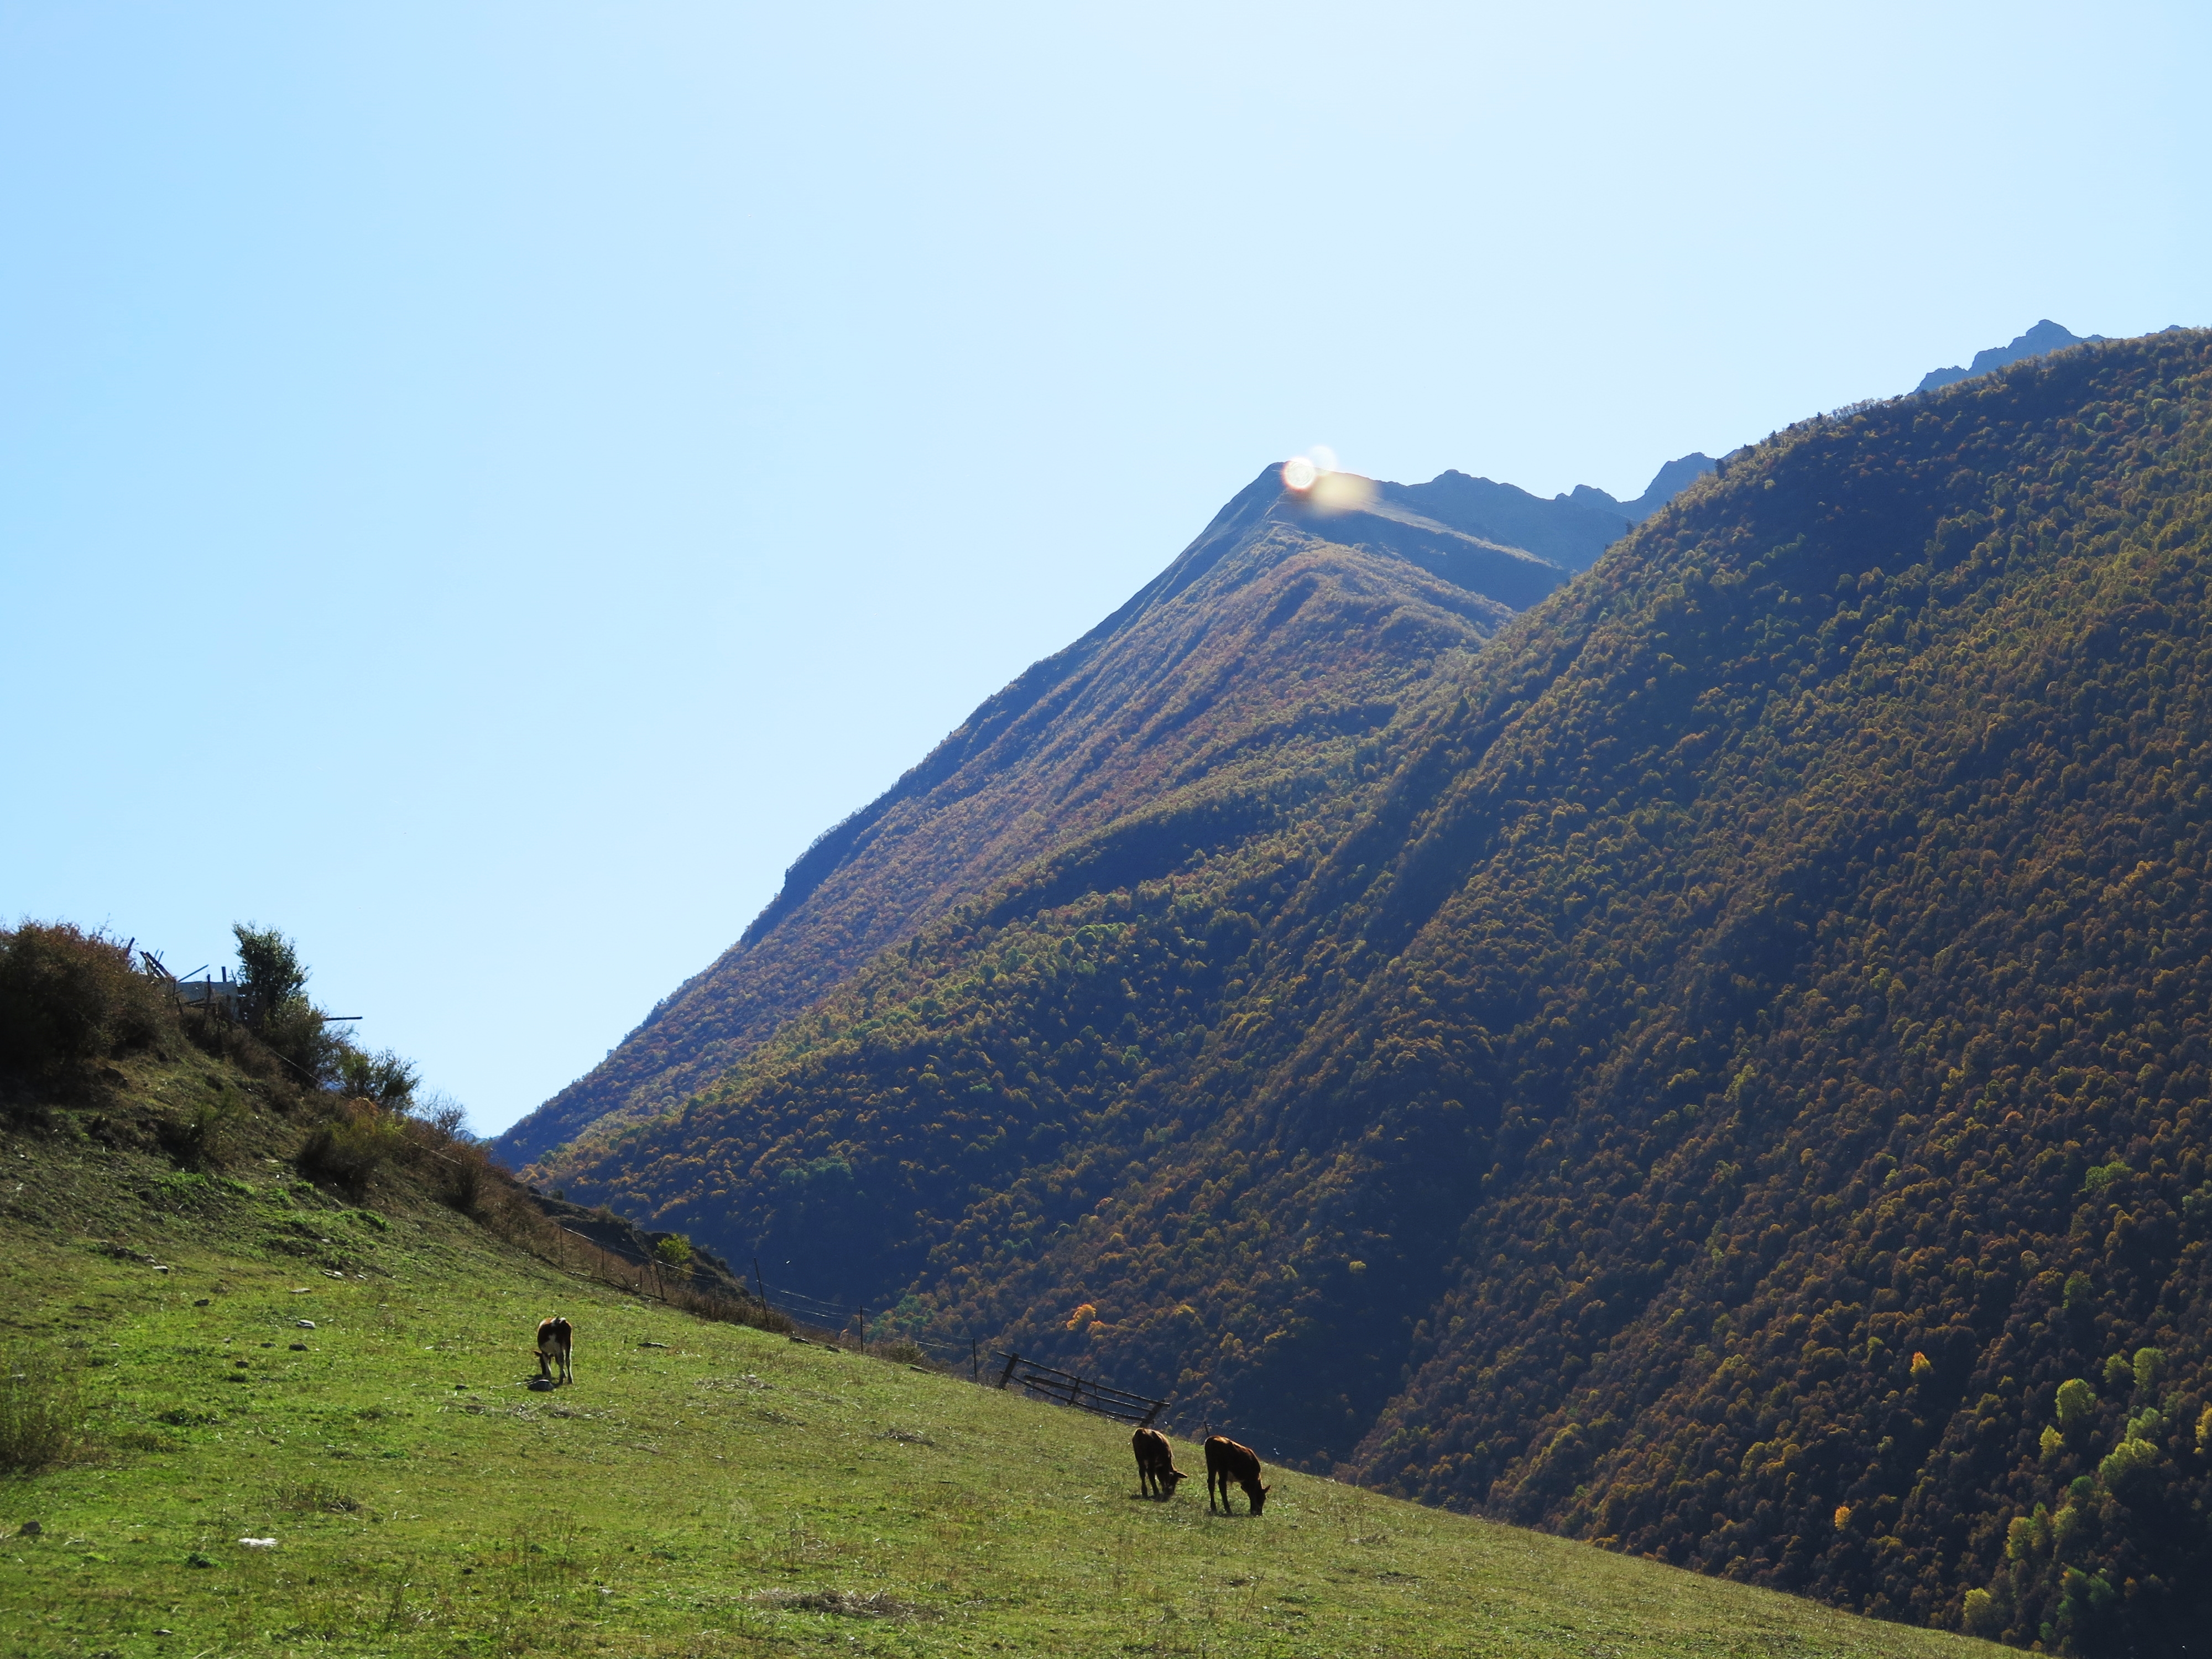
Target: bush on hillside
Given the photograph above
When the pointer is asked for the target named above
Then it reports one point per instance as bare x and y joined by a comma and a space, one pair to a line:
462, 1175
384, 1078
204, 1135
357, 1142
359, 1139
295, 1033
68, 996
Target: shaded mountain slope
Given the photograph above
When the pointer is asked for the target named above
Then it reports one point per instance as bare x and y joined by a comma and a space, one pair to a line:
1700, 1075
1670, 481
1260, 650
1570, 530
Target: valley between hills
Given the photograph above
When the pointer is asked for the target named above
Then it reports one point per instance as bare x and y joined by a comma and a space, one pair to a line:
1658, 1049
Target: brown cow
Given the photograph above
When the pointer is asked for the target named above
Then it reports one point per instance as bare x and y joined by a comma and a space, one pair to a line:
1156, 1474
1227, 1462
555, 1337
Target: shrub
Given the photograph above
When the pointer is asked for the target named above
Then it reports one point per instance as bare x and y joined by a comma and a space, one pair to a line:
352, 1148
294, 1031
462, 1175
69, 996
203, 1136
41, 1413
673, 1251
384, 1078
456, 1168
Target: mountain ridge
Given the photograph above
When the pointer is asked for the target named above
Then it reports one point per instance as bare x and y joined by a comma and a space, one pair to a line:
2046, 336
1440, 528
963, 813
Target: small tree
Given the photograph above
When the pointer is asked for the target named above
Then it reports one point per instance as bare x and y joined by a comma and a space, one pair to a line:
269, 968
673, 1251
277, 1008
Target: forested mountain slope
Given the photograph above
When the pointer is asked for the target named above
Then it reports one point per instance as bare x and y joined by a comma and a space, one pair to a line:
993, 793
1210, 702
1701, 1075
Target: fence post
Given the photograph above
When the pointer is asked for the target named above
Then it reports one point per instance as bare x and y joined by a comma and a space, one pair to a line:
1007, 1375
975, 1362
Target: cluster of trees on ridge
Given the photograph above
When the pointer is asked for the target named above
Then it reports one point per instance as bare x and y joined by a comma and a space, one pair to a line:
1722, 1072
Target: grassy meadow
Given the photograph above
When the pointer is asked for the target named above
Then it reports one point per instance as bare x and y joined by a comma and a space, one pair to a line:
700, 1489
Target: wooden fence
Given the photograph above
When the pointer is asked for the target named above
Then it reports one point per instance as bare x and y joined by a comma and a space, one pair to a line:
1069, 1389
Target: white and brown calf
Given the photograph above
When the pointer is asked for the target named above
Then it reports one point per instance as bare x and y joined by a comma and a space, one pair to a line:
555, 1337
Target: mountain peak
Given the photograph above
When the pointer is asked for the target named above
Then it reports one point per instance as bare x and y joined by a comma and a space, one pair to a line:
2046, 336
1670, 481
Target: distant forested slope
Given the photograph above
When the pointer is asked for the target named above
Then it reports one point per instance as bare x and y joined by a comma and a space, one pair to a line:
1721, 1070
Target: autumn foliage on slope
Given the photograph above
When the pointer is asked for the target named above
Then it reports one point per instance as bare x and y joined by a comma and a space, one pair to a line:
1727, 1075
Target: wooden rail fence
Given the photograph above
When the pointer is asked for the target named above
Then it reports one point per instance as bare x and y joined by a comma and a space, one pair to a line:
1069, 1390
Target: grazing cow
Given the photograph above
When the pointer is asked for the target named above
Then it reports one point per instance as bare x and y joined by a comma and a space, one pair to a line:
1227, 1462
1156, 1474
554, 1337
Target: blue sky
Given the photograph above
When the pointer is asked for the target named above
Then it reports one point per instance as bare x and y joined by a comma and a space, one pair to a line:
481, 487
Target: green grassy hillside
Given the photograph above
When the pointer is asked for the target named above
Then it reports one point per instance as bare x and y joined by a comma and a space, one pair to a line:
1734, 1088
701, 1490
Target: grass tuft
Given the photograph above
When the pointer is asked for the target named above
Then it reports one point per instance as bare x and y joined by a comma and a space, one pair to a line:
316, 1497
849, 1604
42, 1414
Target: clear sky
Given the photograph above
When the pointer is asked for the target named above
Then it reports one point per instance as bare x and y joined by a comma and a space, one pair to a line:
481, 486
